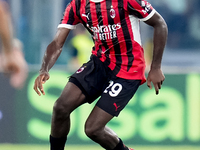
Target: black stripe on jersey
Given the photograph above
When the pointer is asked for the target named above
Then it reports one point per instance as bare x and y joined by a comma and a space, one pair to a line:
90, 31
115, 43
134, 12
71, 19
108, 5
139, 2
100, 22
78, 6
129, 45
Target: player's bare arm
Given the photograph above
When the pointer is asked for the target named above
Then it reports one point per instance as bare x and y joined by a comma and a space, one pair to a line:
52, 53
159, 41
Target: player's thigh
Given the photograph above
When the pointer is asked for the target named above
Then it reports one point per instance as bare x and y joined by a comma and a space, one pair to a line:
71, 97
117, 95
97, 119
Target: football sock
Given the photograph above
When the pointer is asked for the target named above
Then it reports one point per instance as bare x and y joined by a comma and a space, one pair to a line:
120, 146
57, 143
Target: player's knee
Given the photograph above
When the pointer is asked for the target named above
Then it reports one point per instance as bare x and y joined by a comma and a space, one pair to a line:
60, 110
92, 132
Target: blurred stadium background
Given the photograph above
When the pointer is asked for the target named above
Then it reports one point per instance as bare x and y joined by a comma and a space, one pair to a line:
169, 121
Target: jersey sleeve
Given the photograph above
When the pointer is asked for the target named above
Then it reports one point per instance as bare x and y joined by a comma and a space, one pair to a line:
70, 19
140, 9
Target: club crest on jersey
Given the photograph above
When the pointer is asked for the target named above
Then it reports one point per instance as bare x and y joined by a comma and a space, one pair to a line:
80, 69
112, 12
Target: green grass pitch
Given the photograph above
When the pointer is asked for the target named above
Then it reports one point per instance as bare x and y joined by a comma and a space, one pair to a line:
84, 147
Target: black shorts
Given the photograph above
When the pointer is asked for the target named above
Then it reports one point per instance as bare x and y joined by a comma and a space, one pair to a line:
95, 79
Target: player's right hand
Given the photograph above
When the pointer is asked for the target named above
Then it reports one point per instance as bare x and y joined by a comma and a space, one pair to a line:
39, 81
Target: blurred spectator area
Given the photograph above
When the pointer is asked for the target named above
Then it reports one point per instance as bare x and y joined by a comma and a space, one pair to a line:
36, 21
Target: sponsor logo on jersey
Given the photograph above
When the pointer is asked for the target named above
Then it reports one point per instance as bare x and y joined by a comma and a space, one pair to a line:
106, 32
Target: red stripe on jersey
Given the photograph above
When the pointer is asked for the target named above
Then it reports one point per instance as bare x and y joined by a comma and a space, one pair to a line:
105, 21
122, 40
120, 37
94, 23
83, 13
138, 68
66, 16
114, 38
144, 9
98, 44
112, 58
69, 11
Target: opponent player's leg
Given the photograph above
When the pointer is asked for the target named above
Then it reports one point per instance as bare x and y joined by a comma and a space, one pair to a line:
70, 99
96, 129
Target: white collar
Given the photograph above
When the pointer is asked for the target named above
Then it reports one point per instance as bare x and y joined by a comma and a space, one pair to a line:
96, 1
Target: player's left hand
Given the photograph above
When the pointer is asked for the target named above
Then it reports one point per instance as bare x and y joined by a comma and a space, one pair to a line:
156, 77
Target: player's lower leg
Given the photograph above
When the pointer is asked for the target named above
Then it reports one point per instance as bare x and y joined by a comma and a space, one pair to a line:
95, 129
70, 99
107, 139
60, 127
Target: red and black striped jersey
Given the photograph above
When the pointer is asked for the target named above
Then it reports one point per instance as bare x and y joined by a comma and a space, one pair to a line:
114, 26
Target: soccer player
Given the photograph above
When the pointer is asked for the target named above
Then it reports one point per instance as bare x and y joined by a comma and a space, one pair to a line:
115, 70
